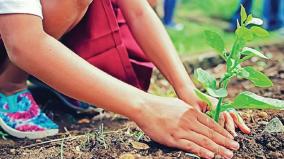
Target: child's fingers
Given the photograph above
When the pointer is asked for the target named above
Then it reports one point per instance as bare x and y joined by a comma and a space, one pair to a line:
240, 122
202, 106
222, 119
230, 125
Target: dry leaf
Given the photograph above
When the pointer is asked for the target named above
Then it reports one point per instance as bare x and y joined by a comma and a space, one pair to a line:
139, 145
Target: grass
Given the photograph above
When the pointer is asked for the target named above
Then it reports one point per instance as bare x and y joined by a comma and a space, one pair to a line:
200, 15
62, 149
3, 135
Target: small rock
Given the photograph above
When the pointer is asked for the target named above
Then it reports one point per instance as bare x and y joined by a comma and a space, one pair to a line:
78, 148
274, 126
139, 145
13, 151
275, 154
84, 121
263, 114
246, 116
127, 156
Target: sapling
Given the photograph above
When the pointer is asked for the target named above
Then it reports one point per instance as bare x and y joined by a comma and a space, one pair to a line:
247, 30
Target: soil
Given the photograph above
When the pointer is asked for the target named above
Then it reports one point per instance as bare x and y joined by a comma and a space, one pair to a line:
107, 135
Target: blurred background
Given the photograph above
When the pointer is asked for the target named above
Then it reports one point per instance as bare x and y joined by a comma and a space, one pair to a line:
186, 21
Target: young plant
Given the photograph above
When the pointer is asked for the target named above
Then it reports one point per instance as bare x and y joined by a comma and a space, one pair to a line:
247, 30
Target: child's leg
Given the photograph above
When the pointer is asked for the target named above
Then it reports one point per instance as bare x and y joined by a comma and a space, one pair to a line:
59, 17
20, 116
12, 78
169, 9
271, 14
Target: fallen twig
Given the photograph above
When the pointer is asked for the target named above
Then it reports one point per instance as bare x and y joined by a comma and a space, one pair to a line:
53, 141
69, 138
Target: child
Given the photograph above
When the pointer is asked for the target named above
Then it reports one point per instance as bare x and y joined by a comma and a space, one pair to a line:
34, 49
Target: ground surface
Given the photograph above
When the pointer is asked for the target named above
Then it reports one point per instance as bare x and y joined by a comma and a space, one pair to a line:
112, 136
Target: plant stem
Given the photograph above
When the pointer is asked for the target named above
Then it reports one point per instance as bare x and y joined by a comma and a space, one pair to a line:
224, 81
223, 84
218, 109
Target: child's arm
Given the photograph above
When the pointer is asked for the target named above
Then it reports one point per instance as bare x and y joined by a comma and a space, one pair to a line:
167, 120
30, 48
154, 40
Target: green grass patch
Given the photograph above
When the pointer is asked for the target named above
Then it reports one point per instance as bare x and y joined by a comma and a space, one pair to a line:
200, 15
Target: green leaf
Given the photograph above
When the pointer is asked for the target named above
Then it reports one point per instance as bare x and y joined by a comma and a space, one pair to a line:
204, 98
215, 41
259, 32
244, 33
243, 14
230, 63
222, 92
249, 19
255, 21
243, 74
237, 47
238, 24
3, 135
207, 80
256, 77
249, 100
250, 51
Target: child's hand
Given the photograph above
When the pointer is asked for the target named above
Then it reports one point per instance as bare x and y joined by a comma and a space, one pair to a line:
228, 119
172, 122
231, 120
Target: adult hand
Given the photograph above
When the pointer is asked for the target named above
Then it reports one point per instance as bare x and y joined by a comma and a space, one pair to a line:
174, 123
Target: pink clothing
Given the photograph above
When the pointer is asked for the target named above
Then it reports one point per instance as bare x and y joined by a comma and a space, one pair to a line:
104, 39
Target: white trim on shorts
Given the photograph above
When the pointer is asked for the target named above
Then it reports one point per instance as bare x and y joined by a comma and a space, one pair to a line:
21, 6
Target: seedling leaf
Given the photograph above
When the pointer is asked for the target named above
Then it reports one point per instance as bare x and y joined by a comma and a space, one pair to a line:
238, 24
256, 77
249, 51
243, 74
249, 19
244, 33
249, 100
205, 78
238, 54
204, 98
222, 92
237, 47
259, 32
243, 14
255, 21
215, 41
230, 63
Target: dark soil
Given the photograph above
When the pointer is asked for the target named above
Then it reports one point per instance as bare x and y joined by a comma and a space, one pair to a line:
113, 136
260, 144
